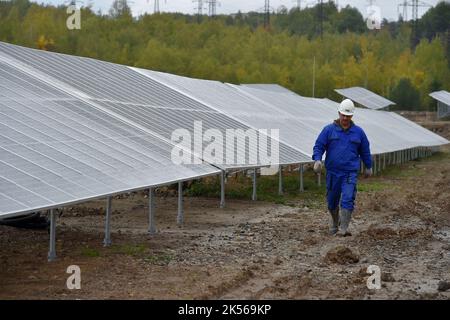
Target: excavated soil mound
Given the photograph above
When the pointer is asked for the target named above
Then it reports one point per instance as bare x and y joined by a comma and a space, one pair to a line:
341, 255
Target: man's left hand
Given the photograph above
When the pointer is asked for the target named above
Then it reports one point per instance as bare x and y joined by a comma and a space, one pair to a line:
368, 173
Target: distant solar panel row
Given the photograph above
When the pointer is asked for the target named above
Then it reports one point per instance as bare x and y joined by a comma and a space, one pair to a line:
365, 97
299, 119
387, 131
443, 98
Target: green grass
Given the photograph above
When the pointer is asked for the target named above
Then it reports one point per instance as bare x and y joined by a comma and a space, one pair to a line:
90, 252
439, 156
410, 170
159, 259
241, 187
141, 251
129, 249
401, 171
372, 185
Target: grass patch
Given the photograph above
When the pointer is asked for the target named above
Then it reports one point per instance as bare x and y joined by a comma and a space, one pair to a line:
90, 252
142, 252
372, 186
402, 172
129, 249
159, 259
241, 187
438, 156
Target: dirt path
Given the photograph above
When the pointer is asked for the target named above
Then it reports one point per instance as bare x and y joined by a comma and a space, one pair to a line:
248, 250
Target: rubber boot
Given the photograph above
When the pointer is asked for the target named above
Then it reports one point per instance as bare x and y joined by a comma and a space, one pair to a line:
344, 221
334, 221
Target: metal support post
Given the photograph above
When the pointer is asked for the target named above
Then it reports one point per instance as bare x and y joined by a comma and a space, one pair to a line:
180, 217
280, 180
52, 249
254, 185
222, 189
151, 211
107, 240
301, 178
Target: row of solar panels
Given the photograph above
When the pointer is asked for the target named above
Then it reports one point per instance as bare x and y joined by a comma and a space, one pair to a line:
374, 101
443, 99
73, 128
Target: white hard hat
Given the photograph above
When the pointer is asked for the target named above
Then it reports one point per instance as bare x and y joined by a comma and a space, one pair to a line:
347, 107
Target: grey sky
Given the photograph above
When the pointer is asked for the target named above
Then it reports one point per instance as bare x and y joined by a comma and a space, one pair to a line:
389, 8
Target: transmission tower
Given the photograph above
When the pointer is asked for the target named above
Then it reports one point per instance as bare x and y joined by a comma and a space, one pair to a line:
267, 14
404, 4
414, 4
156, 8
321, 18
73, 2
200, 6
212, 7
299, 4
415, 13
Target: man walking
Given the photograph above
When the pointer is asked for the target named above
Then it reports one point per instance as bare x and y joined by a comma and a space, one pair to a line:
345, 144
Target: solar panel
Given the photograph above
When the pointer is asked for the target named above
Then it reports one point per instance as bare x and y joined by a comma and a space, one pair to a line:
365, 97
56, 149
315, 113
443, 98
268, 87
141, 100
252, 112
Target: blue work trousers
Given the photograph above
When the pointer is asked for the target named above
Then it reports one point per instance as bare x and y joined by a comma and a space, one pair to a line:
341, 187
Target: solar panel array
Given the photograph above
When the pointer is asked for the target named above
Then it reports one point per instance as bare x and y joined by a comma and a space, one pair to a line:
387, 131
443, 98
253, 112
299, 119
141, 100
365, 97
73, 128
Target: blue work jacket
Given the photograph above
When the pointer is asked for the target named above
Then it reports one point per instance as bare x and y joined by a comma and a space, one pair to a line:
344, 148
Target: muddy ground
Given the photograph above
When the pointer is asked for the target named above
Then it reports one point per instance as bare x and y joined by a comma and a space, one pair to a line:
250, 250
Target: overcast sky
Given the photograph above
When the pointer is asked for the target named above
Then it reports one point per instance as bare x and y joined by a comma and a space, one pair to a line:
389, 8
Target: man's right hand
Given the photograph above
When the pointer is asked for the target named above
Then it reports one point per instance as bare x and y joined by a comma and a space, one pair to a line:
317, 166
